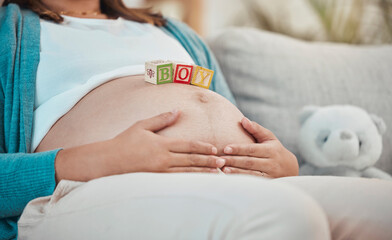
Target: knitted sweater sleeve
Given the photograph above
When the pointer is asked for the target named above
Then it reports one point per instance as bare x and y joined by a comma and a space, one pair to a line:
23, 176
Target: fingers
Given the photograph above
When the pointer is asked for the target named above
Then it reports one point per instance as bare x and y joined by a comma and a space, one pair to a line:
250, 163
193, 169
260, 133
159, 122
233, 170
196, 160
184, 146
264, 150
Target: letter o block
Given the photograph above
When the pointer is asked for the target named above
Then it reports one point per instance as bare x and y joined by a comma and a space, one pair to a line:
183, 73
202, 77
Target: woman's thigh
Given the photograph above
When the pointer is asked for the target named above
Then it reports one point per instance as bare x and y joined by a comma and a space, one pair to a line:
174, 206
357, 208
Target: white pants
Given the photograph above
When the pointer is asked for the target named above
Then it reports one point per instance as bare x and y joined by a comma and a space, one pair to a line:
209, 206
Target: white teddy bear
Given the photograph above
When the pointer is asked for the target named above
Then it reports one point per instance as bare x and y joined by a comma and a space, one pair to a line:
340, 140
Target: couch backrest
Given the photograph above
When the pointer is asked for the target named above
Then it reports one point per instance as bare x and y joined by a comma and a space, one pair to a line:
274, 76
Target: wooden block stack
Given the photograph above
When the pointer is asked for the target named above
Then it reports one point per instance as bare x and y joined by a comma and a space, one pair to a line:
161, 72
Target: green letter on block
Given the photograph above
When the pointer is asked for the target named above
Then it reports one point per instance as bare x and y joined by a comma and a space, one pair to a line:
165, 73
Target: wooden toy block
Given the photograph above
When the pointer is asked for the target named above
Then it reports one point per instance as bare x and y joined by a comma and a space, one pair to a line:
150, 74
202, 77
183, 73
159, 72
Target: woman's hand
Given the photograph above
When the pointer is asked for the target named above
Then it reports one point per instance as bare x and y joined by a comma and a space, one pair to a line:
268, 157
140, 149
137, 149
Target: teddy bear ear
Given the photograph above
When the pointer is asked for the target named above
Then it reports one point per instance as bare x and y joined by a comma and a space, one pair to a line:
380, 124
306, 112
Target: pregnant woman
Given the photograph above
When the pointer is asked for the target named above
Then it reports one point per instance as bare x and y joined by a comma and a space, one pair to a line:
76, 108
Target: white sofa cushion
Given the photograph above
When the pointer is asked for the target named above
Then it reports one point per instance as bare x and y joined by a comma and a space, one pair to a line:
274, 76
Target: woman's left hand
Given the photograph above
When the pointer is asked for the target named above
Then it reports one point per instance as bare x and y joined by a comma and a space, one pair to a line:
266, 158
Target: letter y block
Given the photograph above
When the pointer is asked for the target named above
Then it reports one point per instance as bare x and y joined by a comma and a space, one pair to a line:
202, 77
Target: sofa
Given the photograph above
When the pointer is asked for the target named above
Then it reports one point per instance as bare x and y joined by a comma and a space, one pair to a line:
273, 76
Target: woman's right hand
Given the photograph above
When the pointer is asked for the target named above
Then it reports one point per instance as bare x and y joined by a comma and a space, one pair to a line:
141, 149
137, 149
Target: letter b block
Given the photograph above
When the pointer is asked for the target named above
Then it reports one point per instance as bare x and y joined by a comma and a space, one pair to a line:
202, 77
183, 73
159, 72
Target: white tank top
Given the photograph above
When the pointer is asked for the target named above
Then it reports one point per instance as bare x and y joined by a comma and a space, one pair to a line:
80, 54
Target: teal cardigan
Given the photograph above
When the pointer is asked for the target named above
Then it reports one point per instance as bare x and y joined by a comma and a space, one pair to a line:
25, 175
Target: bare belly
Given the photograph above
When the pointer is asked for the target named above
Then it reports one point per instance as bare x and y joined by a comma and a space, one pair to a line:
114, 106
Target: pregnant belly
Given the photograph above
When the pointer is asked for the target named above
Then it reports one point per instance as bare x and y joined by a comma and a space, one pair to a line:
114, 106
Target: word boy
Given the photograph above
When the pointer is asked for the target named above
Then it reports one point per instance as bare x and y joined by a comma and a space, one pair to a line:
160, 72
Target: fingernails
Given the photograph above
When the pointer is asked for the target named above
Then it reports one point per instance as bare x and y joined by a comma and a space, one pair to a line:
174, 113
214, 150
220, 162
246, 120
227, 170
228, 150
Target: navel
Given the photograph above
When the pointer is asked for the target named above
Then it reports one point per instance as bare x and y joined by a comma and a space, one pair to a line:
202, 97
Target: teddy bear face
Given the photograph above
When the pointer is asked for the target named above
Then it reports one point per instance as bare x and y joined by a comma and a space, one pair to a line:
340, 136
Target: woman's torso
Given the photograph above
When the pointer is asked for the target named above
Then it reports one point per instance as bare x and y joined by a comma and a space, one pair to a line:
116, 105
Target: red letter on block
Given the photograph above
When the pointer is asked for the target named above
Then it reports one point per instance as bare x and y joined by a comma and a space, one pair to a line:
183, 74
